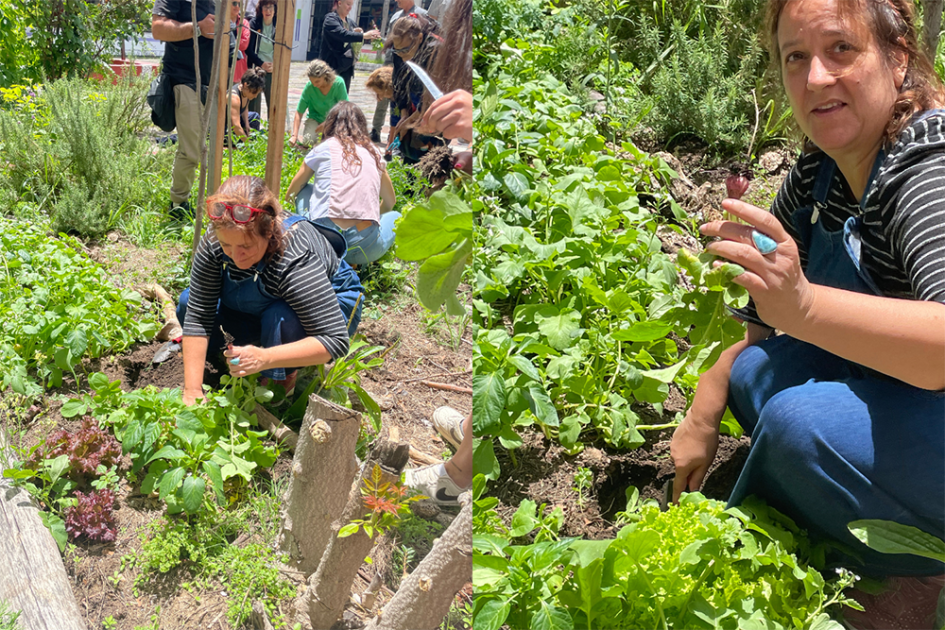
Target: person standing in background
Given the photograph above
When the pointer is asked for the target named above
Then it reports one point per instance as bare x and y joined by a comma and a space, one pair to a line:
406, 7
240, 36
171, 23
261, 49
338, 33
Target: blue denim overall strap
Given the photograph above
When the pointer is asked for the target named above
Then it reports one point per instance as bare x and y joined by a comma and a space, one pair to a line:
345, 281
833, 258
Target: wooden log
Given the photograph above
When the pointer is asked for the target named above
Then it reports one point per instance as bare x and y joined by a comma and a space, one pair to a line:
279, 432
328, 590
425, 596
323, 471
33, 579
281, 67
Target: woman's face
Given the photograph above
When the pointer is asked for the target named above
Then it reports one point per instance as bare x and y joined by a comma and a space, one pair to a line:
382, 94
244, 247
838, 82
322, 83
234, 10
268, 12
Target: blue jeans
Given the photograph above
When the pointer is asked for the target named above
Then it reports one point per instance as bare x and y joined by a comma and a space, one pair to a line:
834, 442
276, 325
370, 243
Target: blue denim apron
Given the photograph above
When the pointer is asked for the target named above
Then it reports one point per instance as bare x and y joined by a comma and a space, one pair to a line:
832, 440
252, 315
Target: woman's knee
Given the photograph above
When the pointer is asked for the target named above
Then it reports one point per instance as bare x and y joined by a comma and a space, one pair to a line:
792, 421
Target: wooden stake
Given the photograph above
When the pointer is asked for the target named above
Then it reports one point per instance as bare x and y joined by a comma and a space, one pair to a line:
221, 37
281, 67
447, 387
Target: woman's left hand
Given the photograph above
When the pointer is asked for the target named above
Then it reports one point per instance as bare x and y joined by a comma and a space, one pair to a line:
252, 359
775, 281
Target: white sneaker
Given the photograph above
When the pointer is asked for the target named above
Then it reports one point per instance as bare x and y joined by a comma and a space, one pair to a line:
430, 482
449, 423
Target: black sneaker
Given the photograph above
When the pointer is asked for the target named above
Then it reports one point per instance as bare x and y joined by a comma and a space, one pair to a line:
181, 211
375, 135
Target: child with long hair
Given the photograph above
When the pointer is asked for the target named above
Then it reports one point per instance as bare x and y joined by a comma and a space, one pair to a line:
351, 191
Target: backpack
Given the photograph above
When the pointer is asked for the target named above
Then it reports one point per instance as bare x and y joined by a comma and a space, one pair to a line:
161, 101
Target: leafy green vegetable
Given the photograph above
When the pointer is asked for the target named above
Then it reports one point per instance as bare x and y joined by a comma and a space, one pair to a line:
890, 537
696, 565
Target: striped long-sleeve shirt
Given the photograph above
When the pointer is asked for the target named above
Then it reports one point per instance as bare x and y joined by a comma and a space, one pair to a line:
903, 232
300, 276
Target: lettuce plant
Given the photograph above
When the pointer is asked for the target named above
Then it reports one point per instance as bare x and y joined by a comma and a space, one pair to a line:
92, 516
87, 449
697, 565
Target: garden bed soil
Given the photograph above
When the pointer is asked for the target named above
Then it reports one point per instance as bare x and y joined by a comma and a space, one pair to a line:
101, 587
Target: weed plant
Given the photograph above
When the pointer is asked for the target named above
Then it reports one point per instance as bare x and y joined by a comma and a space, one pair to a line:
204, 546
8, 617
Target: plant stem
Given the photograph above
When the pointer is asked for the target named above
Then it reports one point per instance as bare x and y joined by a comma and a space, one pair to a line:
656, 427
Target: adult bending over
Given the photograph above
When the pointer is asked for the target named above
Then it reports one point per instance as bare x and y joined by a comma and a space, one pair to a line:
325, 88
350, 177
276, 283
845, 409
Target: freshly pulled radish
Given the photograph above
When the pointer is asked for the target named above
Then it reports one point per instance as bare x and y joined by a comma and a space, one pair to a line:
736, 186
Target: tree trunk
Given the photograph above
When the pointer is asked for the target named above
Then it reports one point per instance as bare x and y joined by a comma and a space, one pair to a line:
932, 18
323, 470
424, 597
281, 69
33, 579
328, 590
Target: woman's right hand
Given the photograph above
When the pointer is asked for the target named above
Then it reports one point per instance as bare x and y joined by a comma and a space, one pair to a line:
695, 443
292, 141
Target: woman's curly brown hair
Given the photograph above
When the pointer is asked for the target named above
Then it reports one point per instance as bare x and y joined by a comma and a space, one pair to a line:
892, 24
251, 191
381, 80
346, 123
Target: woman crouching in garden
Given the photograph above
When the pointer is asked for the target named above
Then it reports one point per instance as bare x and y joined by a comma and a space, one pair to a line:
846, 409
277, 283
352, 191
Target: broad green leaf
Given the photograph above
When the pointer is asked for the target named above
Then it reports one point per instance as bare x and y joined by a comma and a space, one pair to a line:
420, 234
549, 617
132, 436
524, 520
78, 341
64, 359
98, 381
484, 459
492, 614
170, 481
643, 331
169, 453
489, 398
890, 537
216, 478
542, 406
56, 527
73, 408
561, 328
439, 275
517, 184
192, 493
348, 530
56, 467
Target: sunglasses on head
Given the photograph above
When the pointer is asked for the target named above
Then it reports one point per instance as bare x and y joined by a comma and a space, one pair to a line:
238, 212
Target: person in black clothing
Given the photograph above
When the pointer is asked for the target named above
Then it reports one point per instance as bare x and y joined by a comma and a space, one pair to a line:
171, 23
338, 33
260, 51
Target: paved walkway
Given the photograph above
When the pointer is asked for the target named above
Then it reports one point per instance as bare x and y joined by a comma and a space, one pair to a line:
360, 95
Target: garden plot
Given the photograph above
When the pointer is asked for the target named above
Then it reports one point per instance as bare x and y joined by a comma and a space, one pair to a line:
207, 569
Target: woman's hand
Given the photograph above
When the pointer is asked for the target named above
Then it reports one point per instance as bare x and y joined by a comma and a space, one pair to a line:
251, 359
775, 281
191, 397
292, 140
267, 66
695, 442
450, 116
